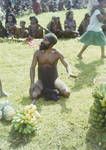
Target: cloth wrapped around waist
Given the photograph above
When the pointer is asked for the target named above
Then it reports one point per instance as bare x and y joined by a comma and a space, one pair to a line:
47, 74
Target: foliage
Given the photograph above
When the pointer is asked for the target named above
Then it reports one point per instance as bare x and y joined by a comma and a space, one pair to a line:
25, 121
65, 123
98, 110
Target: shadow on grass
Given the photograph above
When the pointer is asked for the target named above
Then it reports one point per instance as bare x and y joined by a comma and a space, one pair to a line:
42, 102
17, 140
95, 140
87, 74
62, 102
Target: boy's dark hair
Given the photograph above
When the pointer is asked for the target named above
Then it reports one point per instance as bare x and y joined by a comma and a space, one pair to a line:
87, 15
68, 13
52, 38
13, 18
33, 18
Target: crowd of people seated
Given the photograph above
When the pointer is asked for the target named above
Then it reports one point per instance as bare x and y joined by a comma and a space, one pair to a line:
35, 30
11, 30
38, 6
57, 5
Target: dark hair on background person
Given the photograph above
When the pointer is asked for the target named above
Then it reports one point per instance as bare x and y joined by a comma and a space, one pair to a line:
33, 18
13, 18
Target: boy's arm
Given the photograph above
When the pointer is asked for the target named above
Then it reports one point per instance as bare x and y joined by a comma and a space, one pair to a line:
32, 68
67, 66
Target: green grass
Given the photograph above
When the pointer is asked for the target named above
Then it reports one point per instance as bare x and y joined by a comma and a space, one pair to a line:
64, 124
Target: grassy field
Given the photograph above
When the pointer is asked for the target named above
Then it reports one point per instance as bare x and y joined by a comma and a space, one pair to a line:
64, 124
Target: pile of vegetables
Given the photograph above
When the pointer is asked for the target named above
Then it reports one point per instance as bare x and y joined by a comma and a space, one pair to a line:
25, 121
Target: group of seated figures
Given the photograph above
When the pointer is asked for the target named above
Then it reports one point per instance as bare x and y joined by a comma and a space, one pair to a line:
35, 30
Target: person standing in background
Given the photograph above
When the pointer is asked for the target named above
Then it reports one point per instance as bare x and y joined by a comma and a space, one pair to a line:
94, 34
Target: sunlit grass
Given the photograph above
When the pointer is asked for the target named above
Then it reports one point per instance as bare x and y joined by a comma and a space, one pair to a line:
64, 123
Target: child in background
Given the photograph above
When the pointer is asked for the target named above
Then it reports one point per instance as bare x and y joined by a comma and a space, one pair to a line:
94, 34
84, 24
35, 30
10, 24
70, 25
55, 26
22, 32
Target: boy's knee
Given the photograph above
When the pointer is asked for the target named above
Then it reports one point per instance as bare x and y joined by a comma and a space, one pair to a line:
35, 94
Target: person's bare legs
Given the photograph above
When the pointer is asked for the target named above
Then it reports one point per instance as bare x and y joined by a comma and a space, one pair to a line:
81, 52
61, 86
1, 90
36, 91
103, 52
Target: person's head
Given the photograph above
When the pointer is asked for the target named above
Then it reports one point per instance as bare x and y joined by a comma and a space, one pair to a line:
33, 20
102, 3
49, 41
10, 18
55, 19
69, 15
87, 16
22, 24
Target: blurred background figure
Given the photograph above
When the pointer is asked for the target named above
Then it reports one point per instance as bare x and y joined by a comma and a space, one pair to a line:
69, 4
84, 24
70, 25
61, 5
92, 3
55, 26
44, 5
35, 30
36, 5
10, 24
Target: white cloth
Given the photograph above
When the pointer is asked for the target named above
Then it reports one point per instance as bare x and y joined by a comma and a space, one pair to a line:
95, 24
91, 4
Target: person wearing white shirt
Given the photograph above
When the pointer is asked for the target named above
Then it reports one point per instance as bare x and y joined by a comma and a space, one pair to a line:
91, 4
94, 34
